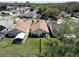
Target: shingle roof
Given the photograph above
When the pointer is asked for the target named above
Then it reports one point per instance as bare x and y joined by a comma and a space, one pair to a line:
2, 27
40, 25
23, 26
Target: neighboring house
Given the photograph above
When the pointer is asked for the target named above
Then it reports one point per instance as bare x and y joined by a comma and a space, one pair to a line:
76, 15
23, 27
16, 12
19, 10
6, 23
3, 31
22, 9
9, 8
31, 14
54, 28
5, 13
64, 14
40, 29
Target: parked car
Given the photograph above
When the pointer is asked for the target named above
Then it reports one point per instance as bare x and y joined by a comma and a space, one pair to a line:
69, 36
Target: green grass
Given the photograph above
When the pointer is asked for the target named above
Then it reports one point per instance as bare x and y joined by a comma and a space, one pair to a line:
68, 18
6, 43
14, 17
29, 48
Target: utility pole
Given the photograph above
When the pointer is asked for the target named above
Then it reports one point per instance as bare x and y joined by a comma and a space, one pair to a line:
40, 46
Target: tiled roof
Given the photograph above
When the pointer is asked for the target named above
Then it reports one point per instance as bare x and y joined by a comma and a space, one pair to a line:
40, 25
23, 26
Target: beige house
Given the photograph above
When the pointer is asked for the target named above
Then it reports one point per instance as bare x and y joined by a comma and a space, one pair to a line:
40, 29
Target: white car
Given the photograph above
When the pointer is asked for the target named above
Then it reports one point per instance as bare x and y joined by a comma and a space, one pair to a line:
69, 36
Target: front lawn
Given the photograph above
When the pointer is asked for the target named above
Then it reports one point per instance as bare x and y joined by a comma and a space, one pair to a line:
6, 43
29, 48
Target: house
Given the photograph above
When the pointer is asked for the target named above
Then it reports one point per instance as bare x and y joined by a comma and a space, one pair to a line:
22, 9
2, 28
9, 8
16, 12
5, 13
19, 10
5, 25
64, 14
40, 29
23, 27
3, 31
31, 14
54, 28
76, 15
20, 27
7, 22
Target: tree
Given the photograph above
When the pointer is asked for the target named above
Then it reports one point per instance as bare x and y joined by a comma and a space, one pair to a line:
48, 11
32, 8
28, 4
66, 48
3, 7
61, 46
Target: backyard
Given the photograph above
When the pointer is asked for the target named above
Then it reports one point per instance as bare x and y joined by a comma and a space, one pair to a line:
29, 48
